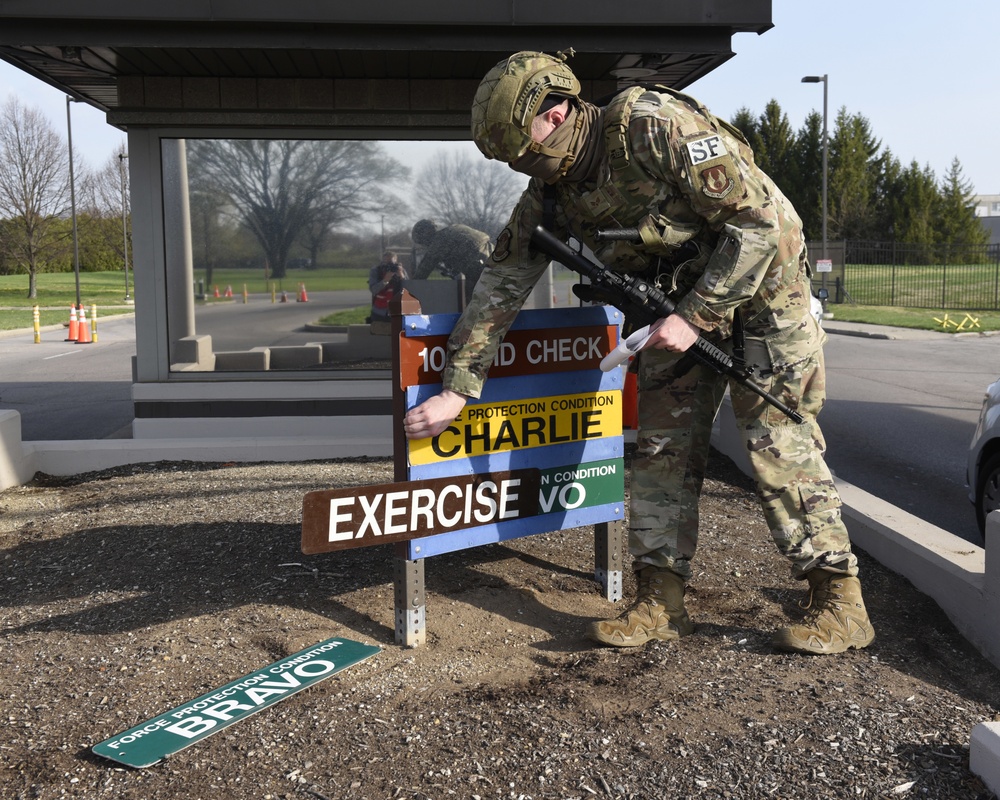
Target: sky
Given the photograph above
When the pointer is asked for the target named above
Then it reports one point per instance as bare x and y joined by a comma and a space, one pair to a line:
924, 75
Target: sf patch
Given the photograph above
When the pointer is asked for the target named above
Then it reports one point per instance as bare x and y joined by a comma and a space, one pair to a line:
502, 248
705, 149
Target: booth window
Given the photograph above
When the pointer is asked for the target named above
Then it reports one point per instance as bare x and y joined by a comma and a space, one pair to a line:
269, 244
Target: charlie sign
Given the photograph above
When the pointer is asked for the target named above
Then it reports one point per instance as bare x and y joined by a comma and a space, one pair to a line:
547, 405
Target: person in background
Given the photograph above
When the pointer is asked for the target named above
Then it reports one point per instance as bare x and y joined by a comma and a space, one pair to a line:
385, 280
454, 250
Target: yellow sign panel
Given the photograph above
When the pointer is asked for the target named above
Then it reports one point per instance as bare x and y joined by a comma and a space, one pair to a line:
521, 424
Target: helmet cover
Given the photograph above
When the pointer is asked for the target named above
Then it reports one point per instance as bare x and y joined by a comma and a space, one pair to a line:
423, 231
509, 97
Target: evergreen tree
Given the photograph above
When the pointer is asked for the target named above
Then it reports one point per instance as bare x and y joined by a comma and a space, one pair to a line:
957, 222
747, 124
776, 152
888, 185
805, 189
915, 206
854, 165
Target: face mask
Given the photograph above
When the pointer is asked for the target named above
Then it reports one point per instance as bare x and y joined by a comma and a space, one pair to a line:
563, 150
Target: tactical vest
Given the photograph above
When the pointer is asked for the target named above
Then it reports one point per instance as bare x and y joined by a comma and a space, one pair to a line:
616, 203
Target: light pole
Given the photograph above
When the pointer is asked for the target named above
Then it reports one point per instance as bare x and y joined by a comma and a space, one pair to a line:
72, 200
822, 79
121, 172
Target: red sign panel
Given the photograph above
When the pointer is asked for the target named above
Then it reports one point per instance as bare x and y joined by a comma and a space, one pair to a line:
522, 352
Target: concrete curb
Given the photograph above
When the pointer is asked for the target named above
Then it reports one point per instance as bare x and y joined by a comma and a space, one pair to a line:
984, 754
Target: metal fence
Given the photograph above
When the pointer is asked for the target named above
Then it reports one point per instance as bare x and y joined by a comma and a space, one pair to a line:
945, 276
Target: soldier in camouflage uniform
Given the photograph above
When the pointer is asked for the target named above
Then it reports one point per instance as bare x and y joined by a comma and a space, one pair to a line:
454, 250
725, 243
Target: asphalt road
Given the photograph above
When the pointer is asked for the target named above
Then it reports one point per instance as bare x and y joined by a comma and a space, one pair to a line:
900, 415
898, 421
65, 390
240, 326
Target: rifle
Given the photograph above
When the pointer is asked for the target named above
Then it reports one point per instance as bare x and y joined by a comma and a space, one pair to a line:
641, 301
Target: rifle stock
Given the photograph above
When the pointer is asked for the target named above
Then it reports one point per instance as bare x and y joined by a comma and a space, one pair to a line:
645, 303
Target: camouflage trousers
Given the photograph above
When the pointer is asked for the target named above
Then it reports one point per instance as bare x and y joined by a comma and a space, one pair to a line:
678, 401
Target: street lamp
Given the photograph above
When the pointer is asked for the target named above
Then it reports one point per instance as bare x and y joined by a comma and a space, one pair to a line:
822, 79
121, 172
72, 200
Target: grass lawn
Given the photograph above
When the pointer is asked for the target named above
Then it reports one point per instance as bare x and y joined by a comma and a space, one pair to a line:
57, 293
106, 290
950, 321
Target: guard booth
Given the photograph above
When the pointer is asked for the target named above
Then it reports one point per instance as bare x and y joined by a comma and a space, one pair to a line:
188, 78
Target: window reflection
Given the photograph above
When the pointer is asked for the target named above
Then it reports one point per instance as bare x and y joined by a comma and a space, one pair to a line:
270, 244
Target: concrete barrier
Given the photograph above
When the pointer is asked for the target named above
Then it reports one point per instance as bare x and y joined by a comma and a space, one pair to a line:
15, 469
295, 356
362, 343
243, 360
984, 747
195, 349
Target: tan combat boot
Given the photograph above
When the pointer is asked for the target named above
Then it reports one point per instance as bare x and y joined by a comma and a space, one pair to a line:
657, 613
837, 619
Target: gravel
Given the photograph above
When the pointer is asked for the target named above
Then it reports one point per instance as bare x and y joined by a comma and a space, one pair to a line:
129, 591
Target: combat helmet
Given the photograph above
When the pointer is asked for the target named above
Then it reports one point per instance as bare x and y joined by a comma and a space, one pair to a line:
510, 96
423, 231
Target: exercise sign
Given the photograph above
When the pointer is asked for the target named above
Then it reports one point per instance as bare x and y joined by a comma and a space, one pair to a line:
341, 518
168, 733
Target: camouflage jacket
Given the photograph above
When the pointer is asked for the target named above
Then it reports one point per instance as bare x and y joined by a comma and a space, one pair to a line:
679, 175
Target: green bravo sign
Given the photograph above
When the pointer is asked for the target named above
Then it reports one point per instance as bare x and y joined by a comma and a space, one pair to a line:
168, 733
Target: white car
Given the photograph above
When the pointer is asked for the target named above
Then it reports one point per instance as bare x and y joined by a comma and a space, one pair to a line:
816, 308
983, 470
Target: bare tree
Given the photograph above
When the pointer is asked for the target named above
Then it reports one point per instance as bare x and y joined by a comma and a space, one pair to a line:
209, 208
278, 187
34, 187
455, 188
105, 203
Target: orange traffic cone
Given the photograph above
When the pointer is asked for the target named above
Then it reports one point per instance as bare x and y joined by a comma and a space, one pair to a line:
303, 297
84, 336
229, 291
216, 291
74, 325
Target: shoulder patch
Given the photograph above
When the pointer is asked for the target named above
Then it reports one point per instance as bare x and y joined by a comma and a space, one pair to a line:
716, 182
502, 248
713, 170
